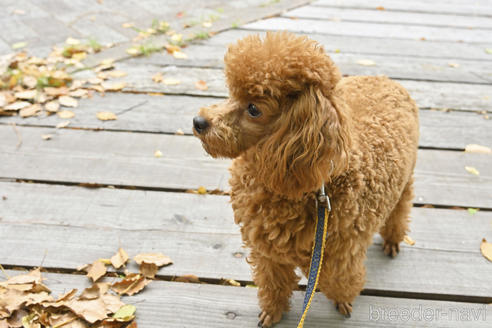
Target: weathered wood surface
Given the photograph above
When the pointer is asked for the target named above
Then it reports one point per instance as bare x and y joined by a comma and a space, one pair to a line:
141, 211
168, 114
434, 271
127, 159
461, 7
373, 45
398, 67
427, 94
397, 31
390, 17
202, 305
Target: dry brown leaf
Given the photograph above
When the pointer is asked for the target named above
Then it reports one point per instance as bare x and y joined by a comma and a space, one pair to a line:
95, 80
15, 319
474, 148
201, 190
116, 74
89, 310
30, 111
171, 81
79, 93
158, 259
63, 124
106, 116
233, 282
131, 284
17, 105
408, 240
120, 258
454, 65
95, 291
26, 95
113, 86
157, 77
201, 85
30, 81
486, 249
148, 270
65, 114
55, 92
33, 276
188, 278
96, 270
68, 101
52, 106
112, 302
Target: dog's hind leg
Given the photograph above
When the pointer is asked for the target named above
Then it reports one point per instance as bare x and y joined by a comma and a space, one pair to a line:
396, 226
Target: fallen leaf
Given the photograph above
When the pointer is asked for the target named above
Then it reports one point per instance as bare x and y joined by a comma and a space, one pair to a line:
30, 81
157, 154
89, 310
127, 25
454, 65
179, 132
131, 284
26, 95
33, 276
232, 282
187, 278
46, 136
366, 62
19, 45
157, 77
148, 270
179, 55
125, 313
106, 116
95, 80
30, 110
408, 240
63, 124
55, 92
68, 101
113, 86
207, 24
158, 259
472, 211
380, 8
202, 190
488, 50
96, 270
486, 249
472, 170
201, 85
171, 81
474, 148
117, 74
79, 93
65, 114
72, 41
119, 259
95, 291
177, 38
52, 106
133, 51
17, 105
112, 302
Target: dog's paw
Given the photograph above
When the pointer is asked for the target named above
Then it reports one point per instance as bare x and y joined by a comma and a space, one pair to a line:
345, 308
268, 320
391, 249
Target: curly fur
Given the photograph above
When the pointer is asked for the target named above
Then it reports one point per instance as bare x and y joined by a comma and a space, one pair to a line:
359, 135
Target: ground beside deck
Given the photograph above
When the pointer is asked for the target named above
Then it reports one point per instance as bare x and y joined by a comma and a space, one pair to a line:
440, 51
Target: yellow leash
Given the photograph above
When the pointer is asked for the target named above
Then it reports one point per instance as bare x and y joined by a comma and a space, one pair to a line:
324, 209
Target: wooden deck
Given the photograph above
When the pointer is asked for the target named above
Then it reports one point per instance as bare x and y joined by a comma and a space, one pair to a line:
437, 50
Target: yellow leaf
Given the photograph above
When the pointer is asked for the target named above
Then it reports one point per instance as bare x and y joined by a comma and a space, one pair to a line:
207, 24
79, 56
474, 148
201, 85
52, 106
113, 86
454, 65
233, 282
486, 249
472, 170
180, 55
171, 81
366, 62
127, 25
106, 116
408, 240
472, 211
62, 125
117, 74
19, 45
66, 114
179, 132
202, 190
158, 154
68, 101
157, 77
72, 42
133, 51
125, 313
177, 38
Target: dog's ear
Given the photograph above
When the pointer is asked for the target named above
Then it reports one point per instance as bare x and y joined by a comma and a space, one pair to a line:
308, 146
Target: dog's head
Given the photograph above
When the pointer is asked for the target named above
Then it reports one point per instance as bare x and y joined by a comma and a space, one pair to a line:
281, 108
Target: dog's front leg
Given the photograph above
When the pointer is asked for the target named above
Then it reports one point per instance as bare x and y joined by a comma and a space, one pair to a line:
275, 283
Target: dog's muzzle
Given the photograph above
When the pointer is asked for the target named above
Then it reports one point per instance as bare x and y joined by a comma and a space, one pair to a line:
200, 124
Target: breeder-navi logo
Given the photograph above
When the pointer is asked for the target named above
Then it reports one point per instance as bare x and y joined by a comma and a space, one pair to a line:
421, 313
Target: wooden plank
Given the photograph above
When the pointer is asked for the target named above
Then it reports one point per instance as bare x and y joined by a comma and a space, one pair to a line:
426, 94
397, 31
472, 8
389, 17
141, 211
369, 45
127, 159
216, 256
397, 67
202, 305
168, 114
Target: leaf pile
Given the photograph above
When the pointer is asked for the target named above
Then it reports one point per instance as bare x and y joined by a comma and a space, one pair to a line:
26, 302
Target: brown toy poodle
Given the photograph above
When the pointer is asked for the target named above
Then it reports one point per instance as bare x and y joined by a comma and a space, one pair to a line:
292, 123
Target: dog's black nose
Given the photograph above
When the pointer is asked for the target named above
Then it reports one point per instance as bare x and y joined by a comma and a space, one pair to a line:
200, 124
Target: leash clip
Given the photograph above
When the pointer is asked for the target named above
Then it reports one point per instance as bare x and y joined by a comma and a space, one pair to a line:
323, 199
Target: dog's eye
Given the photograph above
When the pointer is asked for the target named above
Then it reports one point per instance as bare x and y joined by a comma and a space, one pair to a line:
253, 111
